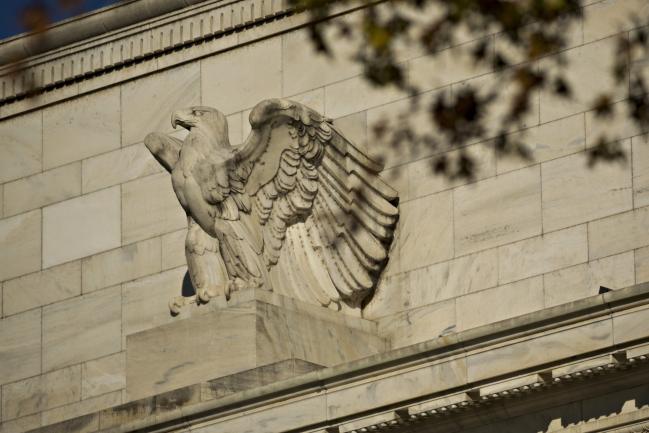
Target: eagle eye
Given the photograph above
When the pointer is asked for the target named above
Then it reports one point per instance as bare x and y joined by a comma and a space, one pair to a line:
197, 113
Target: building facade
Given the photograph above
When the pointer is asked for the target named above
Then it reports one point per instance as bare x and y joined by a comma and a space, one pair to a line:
489, 317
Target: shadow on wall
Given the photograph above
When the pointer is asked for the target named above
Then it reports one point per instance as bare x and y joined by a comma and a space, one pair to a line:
187, 287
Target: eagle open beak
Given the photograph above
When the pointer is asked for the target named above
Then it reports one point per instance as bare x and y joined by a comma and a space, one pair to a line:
180, 118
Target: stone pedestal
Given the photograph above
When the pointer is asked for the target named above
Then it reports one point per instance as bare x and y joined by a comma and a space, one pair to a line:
255, 328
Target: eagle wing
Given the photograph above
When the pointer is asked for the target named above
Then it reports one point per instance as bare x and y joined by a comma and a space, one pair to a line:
311, 189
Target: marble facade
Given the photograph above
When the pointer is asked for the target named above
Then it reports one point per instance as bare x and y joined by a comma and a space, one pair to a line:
483, 321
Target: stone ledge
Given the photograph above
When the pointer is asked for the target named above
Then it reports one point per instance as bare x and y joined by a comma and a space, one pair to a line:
430, 380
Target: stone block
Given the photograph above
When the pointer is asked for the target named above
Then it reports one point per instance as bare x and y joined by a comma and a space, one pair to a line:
393, 387
304, 69
356, 94
629, 326
354, 128
593, 60
150, 208
96, 331
123, 264
454, 278
418, 324
255, 333
254, 378
618, 233
574, 193
390, 297
235, 89
82, 412
148, 103
451, 65
117, 167
103, 375
173, 249
423, 246
81, 128
21, 146
543, 254
617, 126
42, 288
313, 99
42, 189
20, 425
146, 301
541, 350
497, 211
20, 346
642, 265
41, 392
640, 153
424, 181
609, 17
546, 142
235, 128
81, 226
20, 237
499, 303
581, 281
84, 424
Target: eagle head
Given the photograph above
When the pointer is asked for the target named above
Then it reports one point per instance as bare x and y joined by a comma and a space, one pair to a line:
206, 120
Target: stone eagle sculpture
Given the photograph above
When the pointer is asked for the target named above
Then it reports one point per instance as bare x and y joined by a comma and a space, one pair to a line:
296, 208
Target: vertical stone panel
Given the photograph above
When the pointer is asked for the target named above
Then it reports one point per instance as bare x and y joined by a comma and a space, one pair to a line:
575, 193
20, 237
641, 171
257, 76
81, 227
497, 211
81, 128
103, 375
96, 330
42, 288
20, 346
173, 249
422, 245
150, 208
21, 146
42, 189
147, 103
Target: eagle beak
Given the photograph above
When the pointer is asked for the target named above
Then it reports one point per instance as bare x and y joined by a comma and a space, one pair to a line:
181, 118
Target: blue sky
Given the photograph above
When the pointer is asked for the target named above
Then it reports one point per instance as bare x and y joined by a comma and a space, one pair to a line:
10, 12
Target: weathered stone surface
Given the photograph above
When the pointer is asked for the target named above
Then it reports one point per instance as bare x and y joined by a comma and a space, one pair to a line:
581, 281
642, 265
147, 103
117, 167
21, 146
618, 233
20, 346
543, 254
235, 89
146, 301
84, 424
150, 208
354, 128
20, 237
434, 244
538, 351
41, 392
81, 226
629, 326
20, 425
609, 17
42, 288
123, 264
76, 412
103, 375
301, 72
499, 303
448, 66
454, 278
356, 94
97, 330
81, 128
313, 99
617, 127
42, 189
585, 61
173, 249
256, 377
255, 333
235, 128
497, 211
641, 171
418, 324
574, 193
390, 297
423, 180
546, 142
